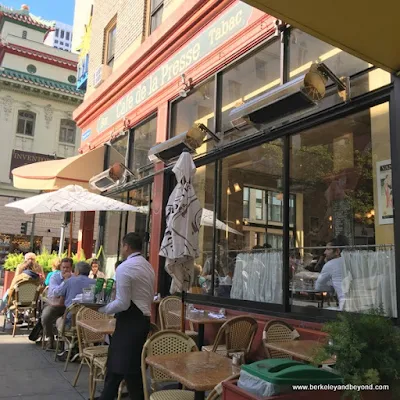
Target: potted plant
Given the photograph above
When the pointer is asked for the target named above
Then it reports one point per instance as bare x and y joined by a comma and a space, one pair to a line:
11, 263
367, 351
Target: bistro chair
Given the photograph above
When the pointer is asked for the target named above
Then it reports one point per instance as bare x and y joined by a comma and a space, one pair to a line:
238, 334
23, 300
165, 342
170, 321
91, 345
278, 331
68, 335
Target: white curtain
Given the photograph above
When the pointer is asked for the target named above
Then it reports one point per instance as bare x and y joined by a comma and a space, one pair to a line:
258, 277
369, 280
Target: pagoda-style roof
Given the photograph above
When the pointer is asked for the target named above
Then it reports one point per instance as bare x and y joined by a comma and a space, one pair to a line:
44, 83
24, 17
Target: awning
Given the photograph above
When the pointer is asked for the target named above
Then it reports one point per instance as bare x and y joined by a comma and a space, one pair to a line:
368, 30
54, 175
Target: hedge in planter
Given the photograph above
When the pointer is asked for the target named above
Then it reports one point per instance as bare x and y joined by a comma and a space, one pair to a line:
367, 350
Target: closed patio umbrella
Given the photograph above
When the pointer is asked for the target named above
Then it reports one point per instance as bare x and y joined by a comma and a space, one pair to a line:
183, 219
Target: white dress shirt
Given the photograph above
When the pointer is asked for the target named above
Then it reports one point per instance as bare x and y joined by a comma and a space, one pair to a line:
135, 282
332, 276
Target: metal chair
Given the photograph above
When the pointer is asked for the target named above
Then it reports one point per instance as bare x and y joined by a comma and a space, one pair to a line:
238, 334
165, 342
23, 299
87, 340
278, 331
171, 321
66, 334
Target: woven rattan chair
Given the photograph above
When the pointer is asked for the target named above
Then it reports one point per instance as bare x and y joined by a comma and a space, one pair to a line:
170, 321
87, 341
216, 393
99, 372
24, 299
165, 342
278, 331
238, 334
68, 334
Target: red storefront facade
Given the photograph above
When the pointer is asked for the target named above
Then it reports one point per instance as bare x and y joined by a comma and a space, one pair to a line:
295, 196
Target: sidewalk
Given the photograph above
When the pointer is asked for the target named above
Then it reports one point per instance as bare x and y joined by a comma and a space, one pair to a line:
28, 372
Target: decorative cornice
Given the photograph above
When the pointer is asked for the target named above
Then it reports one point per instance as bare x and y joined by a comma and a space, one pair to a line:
37, 55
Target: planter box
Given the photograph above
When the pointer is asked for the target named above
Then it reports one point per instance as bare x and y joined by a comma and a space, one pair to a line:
8, 277
232, 392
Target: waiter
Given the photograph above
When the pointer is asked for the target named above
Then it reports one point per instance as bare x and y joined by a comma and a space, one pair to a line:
132, 308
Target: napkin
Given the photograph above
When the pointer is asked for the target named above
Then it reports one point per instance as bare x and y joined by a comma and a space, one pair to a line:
217, 316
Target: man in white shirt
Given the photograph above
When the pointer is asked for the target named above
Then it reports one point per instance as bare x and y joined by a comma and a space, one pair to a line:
331, 275
132, 308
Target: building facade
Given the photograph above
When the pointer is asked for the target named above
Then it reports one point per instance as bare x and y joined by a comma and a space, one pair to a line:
37, 97
303, 152
61, 37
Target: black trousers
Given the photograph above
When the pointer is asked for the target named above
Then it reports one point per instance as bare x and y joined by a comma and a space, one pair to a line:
133, 382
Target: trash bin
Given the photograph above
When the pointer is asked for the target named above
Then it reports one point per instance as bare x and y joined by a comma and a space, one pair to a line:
277, 376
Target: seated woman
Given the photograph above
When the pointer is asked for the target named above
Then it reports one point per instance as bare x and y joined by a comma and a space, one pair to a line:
28, 269
95, 272
55, 266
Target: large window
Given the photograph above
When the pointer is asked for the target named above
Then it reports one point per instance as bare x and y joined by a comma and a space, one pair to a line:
26, 123
343, 257
143, 138
156, 13
67, 131
197, 107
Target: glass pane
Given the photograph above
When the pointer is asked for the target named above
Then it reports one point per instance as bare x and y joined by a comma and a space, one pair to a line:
21, 126
121, 146
155, 4
248, 79
197, 107
203, 185
29, 127
249, 263
139, 222
343, 256
306, 49
156, 19
145, 137
111, 43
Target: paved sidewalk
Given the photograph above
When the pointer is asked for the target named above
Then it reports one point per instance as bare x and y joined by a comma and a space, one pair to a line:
28, 372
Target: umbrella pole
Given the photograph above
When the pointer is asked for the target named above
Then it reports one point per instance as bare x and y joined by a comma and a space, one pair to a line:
62, 240
183, 322
70, 234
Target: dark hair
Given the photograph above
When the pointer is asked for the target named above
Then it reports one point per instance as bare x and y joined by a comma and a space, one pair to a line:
95, 261
339, 241
67, 260
133, 240
118, 263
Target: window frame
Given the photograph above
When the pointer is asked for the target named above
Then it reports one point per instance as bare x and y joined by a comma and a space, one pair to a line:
111, 28
26, 119
67, 125
153, 12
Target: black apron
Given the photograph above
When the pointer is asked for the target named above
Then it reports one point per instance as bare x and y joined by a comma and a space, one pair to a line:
125, 350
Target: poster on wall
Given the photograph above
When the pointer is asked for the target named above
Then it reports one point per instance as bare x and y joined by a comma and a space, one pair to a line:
385, 197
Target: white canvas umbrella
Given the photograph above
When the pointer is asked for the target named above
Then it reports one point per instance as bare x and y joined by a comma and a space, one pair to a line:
207, 219
72, 198
183, 217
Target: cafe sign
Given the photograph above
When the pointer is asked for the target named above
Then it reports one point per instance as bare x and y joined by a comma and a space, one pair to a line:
219, 31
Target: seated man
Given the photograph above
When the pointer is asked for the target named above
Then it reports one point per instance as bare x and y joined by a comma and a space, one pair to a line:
54, 308
331, 276
69, 289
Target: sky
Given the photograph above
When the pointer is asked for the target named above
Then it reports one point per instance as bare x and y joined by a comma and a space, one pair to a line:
58, 10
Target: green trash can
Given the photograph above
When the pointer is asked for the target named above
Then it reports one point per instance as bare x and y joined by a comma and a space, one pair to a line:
276, 376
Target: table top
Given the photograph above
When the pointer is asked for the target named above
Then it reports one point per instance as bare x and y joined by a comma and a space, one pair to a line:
200, 371
200, 318
301, 349
104, 326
